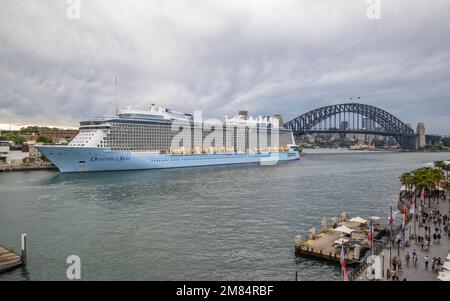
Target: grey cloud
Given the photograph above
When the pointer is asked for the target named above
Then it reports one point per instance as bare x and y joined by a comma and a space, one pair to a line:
219, 56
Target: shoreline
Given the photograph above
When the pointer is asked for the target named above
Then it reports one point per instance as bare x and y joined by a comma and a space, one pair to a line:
27, 167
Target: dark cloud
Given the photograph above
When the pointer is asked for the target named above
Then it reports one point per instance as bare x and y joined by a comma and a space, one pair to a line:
219, 56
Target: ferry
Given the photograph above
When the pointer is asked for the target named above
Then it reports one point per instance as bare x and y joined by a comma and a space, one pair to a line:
158, 137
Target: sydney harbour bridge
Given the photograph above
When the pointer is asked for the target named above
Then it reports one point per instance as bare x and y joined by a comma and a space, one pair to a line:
356, 118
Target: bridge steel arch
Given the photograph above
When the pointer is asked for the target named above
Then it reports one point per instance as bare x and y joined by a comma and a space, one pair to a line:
392, 126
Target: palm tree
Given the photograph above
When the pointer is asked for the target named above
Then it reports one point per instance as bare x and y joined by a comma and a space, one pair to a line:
427, 178
407, 179
439, 164
446, 168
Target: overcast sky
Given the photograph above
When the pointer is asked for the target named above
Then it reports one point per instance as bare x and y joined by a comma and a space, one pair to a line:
268, 57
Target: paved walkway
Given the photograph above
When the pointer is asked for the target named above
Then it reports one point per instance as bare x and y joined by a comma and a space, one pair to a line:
418, 272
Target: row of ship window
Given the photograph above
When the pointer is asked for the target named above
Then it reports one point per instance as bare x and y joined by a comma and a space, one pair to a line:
187, 159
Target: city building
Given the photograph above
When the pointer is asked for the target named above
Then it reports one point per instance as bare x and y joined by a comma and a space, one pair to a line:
4, 150
344, 125
29, 147
58, 135
30, 137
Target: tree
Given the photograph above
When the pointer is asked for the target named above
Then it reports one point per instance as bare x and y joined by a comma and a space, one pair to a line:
407, 179
446, 141
44, 139
16, 138
446, 168
439, 164
35, 129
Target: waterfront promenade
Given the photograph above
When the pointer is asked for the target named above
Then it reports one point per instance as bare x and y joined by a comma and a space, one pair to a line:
27, 167
437, 249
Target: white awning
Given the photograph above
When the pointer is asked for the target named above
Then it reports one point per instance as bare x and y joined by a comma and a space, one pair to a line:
358, 220
344, 229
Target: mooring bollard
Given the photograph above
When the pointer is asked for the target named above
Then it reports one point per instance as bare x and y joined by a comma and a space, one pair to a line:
24, 249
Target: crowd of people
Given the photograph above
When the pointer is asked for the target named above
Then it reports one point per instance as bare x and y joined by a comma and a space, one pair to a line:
433, 225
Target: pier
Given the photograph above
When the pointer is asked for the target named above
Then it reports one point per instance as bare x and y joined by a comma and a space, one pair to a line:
10, 260
352, 235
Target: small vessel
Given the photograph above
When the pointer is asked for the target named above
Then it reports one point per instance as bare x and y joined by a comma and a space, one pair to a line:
163, 138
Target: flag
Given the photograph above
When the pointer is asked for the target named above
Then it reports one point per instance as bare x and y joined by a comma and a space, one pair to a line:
343, 265
370, 235
404, 219
390, 219
422, 194
413, 206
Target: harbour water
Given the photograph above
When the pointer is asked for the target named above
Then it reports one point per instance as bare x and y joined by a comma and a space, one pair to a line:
207, 223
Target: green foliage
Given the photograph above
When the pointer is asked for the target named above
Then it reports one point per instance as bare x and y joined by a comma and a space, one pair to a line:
439, 164
407, 179
44, 139
28, 160
446, 141
422, 178
434, 148
16, 138
35, 129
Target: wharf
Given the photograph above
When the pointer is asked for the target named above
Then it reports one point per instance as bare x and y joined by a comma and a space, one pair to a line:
9, 260
326, 246
27, 167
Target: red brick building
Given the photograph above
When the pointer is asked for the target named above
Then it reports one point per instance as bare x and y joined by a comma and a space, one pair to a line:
59, 134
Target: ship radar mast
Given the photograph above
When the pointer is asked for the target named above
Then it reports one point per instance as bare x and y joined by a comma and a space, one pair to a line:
115, 94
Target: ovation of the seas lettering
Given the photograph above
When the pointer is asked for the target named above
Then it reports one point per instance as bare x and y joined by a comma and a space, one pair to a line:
121, 158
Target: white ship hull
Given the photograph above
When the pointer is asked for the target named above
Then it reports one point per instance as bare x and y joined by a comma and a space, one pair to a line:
87, 159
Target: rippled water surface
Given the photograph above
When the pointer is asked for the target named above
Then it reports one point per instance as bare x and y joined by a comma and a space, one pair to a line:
207, 223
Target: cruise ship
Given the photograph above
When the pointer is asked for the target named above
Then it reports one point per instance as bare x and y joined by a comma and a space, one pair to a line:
158, 137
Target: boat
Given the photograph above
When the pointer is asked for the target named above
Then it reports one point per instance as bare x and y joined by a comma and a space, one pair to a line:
158, 137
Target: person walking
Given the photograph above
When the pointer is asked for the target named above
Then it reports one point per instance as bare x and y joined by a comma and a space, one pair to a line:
393, 276
426, 260
407, 257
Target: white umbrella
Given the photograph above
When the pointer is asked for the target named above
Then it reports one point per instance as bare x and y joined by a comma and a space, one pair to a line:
341, 241
446, 265
358, 220
374, 218
344, 229
444, 276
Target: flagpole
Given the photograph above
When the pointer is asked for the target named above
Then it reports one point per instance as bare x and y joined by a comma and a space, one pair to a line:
371, 238
414, 217
390, 238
